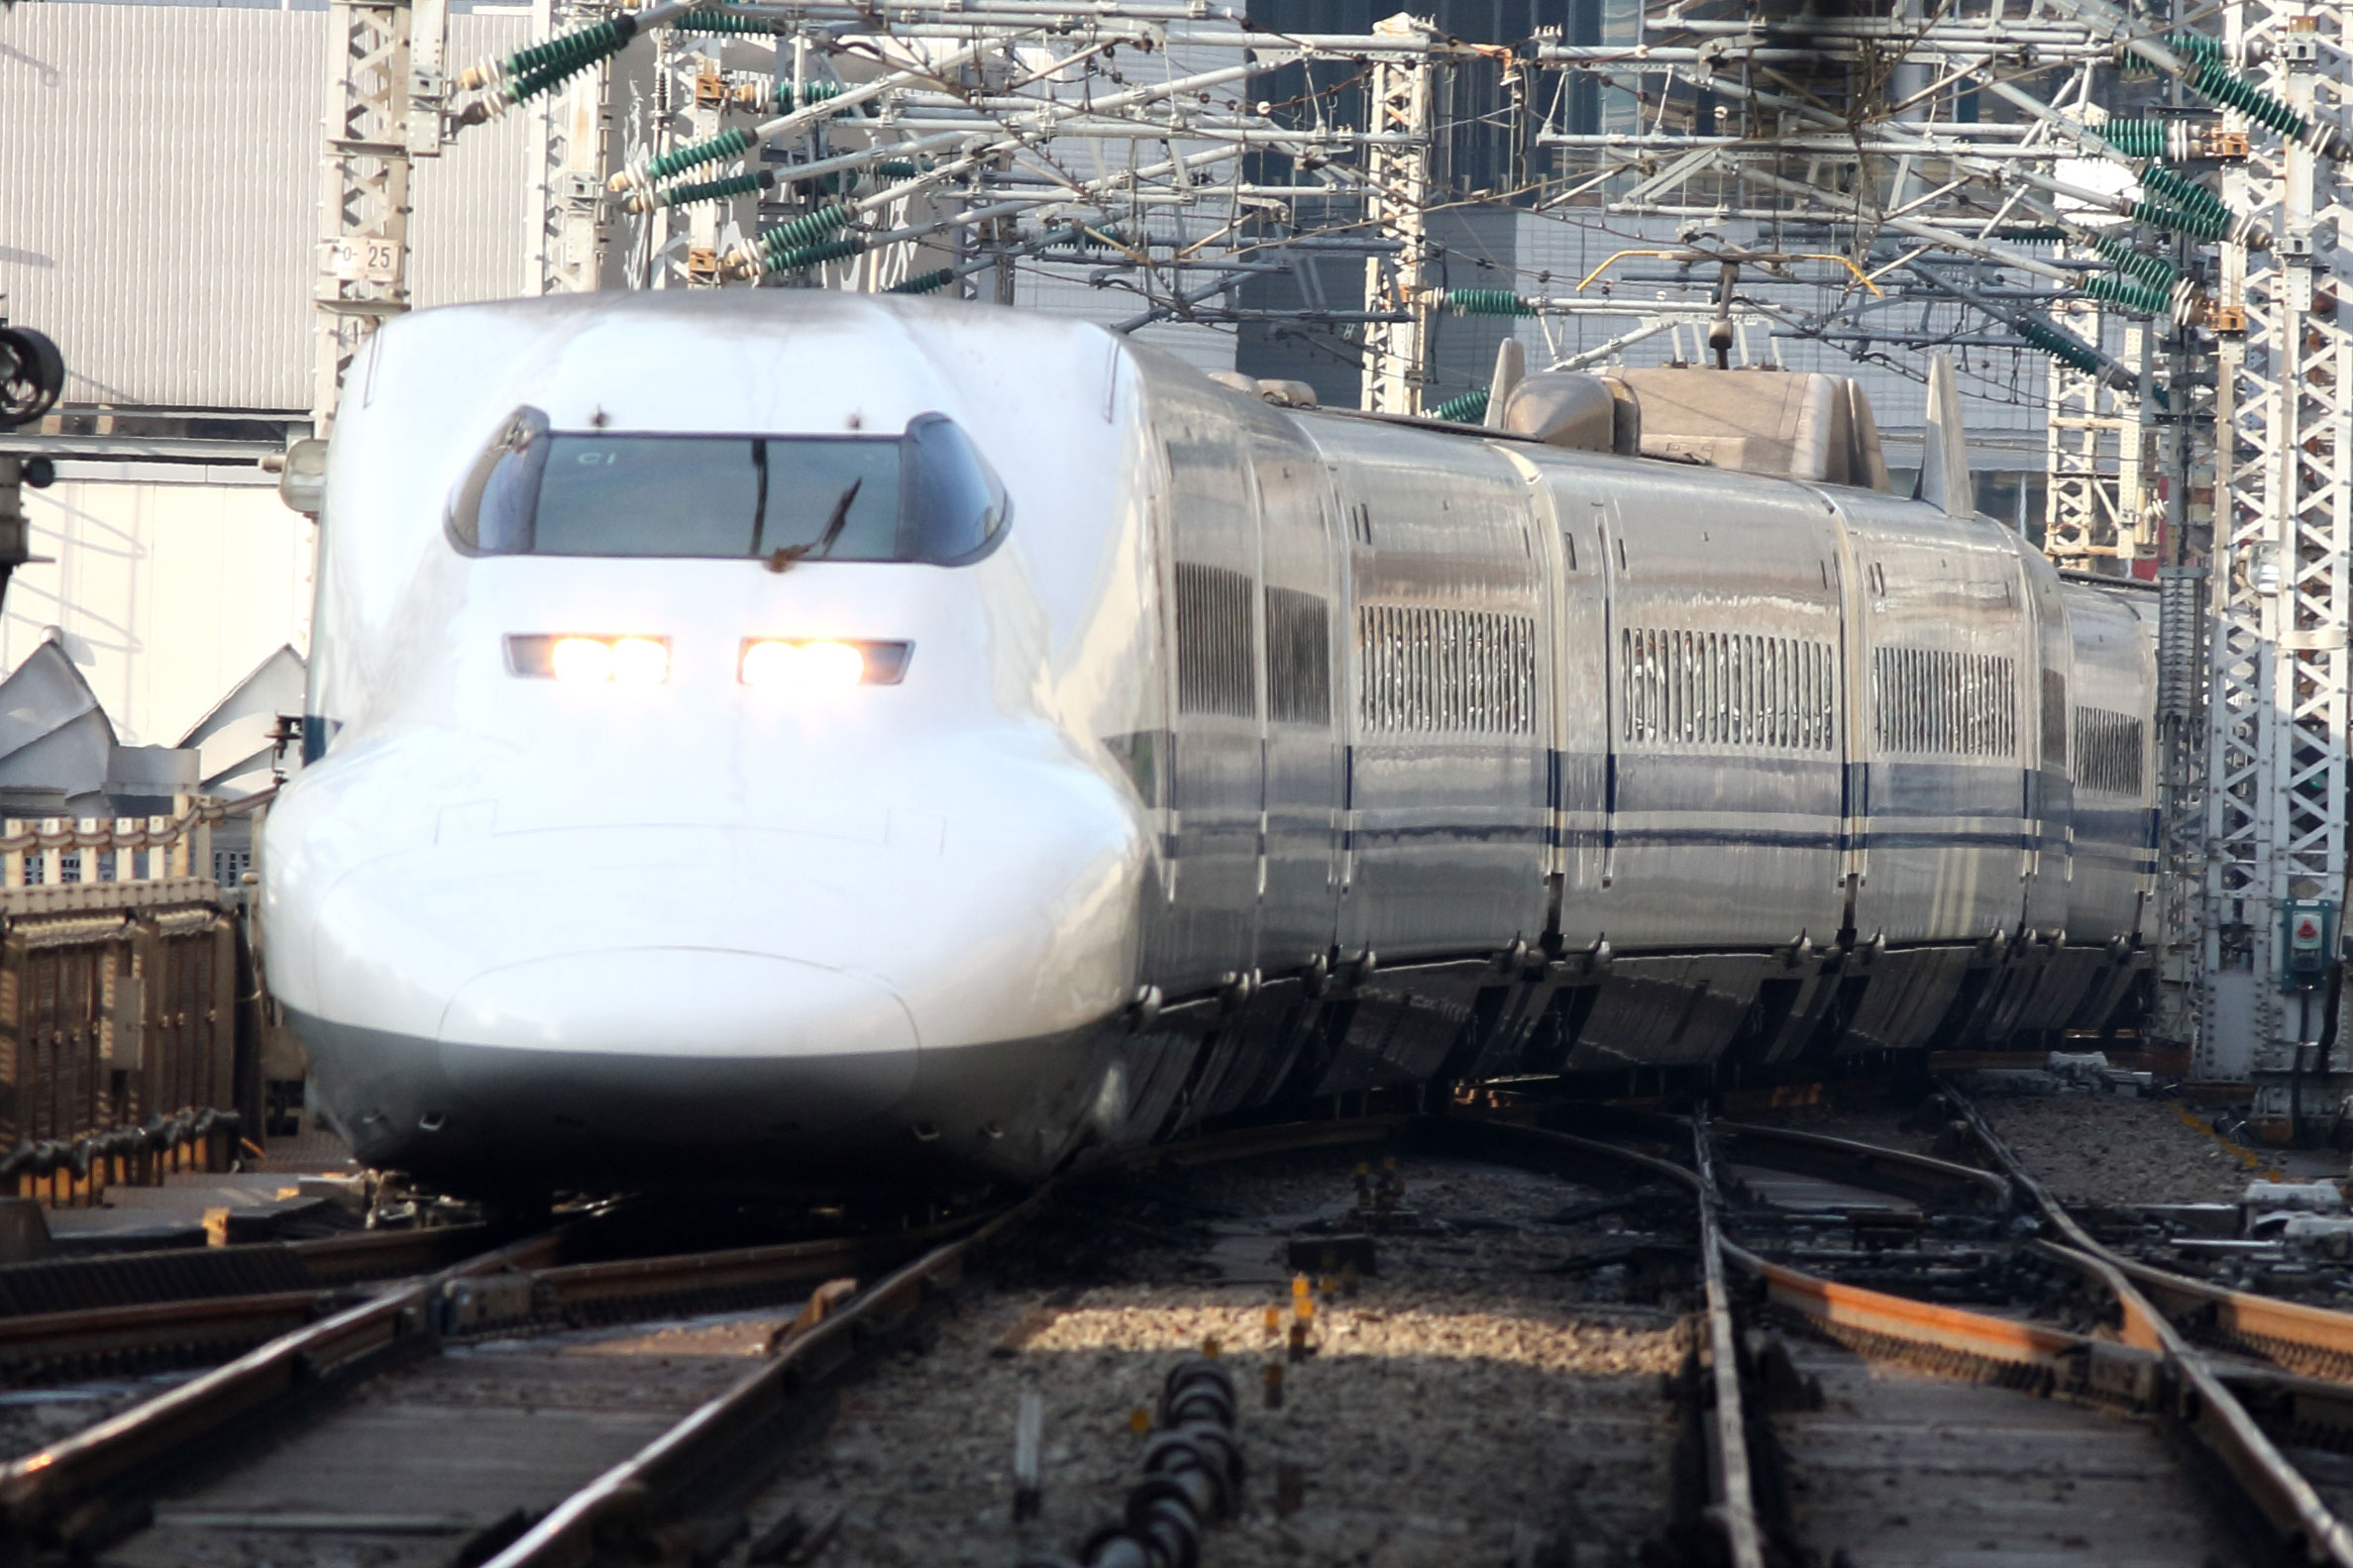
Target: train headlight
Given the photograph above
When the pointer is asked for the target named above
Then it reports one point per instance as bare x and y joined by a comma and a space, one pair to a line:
591, 660
814, 667
640, 661
581, 659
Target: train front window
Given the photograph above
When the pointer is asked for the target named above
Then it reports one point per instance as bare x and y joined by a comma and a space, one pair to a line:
925, 495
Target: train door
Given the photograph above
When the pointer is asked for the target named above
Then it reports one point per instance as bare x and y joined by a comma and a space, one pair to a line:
1301, 573
1445, 769
1724, 767
1575, 524
1217, 793
1943, 672
2047, 841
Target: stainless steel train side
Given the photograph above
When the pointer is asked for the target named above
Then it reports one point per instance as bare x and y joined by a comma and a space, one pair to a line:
1756, 770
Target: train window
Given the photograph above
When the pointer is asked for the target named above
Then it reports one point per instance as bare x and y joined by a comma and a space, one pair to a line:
1298, 657
2107, 750
924, 496
1429, 669
1216, 645
1934, 700
500, 490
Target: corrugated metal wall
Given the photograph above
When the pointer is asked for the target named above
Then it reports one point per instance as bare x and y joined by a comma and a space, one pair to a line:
159, 196
477, 204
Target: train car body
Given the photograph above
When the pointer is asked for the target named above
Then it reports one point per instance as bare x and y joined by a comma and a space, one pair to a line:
1198, 753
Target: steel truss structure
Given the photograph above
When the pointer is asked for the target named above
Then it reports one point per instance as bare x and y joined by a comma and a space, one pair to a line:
2282, 582
2098, 441
379, 122
2149, 205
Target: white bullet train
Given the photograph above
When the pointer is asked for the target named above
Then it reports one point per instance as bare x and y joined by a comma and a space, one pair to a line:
805, 737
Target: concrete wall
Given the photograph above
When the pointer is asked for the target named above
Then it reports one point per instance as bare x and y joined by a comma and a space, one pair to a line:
169, 584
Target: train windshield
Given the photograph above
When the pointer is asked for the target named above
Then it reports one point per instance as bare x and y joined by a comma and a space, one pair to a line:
924, 496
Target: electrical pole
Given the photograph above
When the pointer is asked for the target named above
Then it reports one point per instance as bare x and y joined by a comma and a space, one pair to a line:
1396, 204
373, 132
2281, 590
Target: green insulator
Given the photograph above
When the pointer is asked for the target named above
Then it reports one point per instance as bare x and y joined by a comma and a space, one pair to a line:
2130, 293
2154, 270
727, 143
717, 22
573, 49
923, 283
2215, 84
1487, 302
812, 92
711, 190
2137, 138
563, 58
806, 229
2059, 346
1468, 409
896, 168
2184, 192
524, 88
840, 249
2200, 47
2196, 224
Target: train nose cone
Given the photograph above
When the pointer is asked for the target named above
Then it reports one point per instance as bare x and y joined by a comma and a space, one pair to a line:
682, 1001
707, 1045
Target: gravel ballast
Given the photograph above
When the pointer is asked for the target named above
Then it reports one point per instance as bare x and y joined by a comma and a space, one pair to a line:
1458, 1408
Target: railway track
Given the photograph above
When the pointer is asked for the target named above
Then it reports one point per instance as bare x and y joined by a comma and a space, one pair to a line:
144, 1311
478, 1413
2170, 1350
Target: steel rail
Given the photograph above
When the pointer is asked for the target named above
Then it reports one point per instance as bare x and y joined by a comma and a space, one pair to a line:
2149, 1370
43, 1343
2315, 1340
90, 1483
86, 1486
1896, 1171
2197, 1400
94, 1485
2046, 1358
169, 1308
726, 1442
1731, 1479
758, 1412
75, 1490
2152, 1368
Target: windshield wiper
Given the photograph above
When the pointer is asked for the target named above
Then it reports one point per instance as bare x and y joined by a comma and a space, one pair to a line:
783, 558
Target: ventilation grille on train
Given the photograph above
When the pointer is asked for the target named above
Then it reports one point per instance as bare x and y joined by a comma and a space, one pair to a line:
1298, 657
1216, 641
1933, 700
1725, 689
2054, 719
2107, 750
1426, 668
